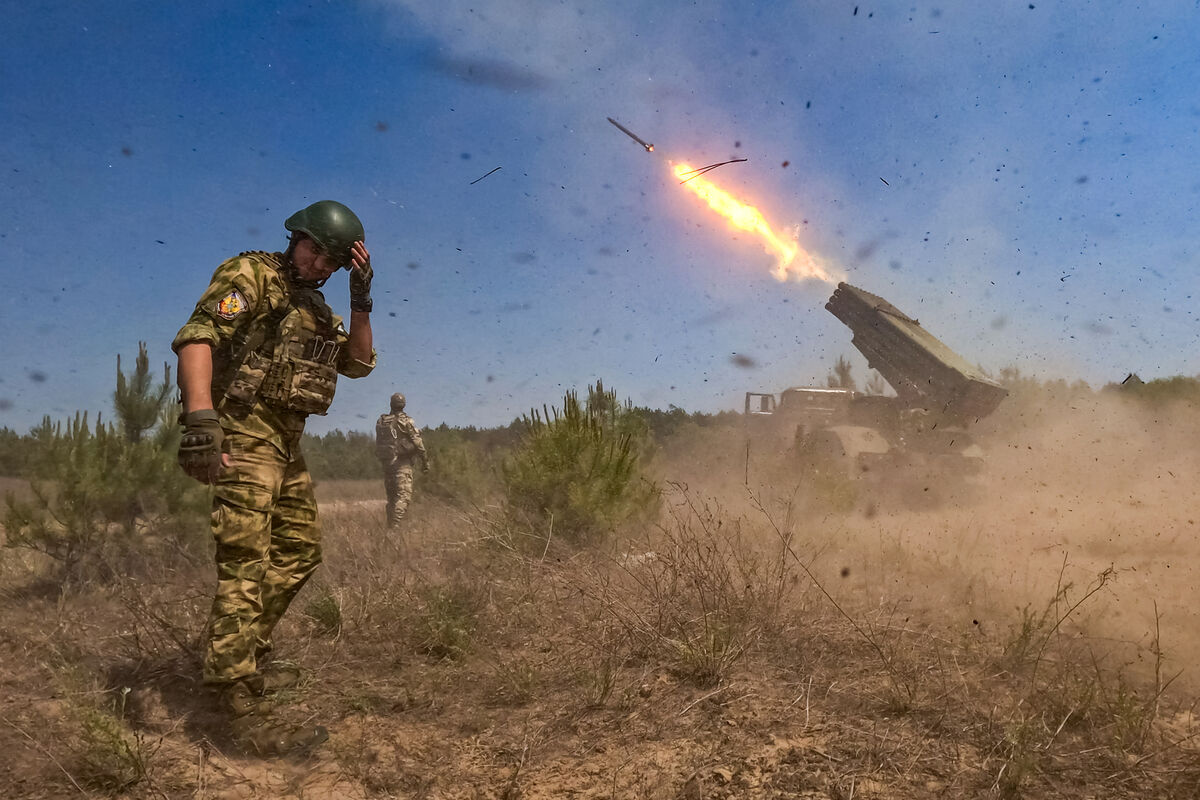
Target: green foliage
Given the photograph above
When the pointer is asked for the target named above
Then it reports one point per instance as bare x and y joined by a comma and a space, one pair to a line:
138, 402
98, 491
1161, 390
16, 452
111, 757
664, 425
577, 472
462, 467
449, 616
841, 376
325, 610
341, 456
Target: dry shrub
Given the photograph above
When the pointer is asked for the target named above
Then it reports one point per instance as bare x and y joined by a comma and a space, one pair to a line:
698, 593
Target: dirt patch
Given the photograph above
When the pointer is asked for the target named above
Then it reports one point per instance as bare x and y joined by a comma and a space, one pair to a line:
753, 644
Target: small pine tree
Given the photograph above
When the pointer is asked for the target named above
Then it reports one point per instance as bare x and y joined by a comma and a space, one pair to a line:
138, 402
578, 469
876, 385
99, 491
841, 377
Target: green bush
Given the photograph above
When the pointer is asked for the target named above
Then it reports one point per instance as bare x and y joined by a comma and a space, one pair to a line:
99, 492
341, 456
577, 471
15, 453
461, 469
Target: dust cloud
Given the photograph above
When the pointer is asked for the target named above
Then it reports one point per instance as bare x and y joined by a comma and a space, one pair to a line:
1072, 487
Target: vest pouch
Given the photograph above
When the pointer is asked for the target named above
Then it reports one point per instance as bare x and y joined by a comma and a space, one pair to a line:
310, 386
247, 381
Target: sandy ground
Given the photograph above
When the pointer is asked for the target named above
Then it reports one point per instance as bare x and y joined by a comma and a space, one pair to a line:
1097, 489
1066, 496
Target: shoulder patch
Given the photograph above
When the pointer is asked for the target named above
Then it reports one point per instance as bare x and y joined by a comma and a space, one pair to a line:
231, 305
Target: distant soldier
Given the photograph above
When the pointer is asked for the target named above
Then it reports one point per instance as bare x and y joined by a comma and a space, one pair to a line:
261, 351
398, 443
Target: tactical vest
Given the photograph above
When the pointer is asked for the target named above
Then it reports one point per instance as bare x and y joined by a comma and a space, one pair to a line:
287, 358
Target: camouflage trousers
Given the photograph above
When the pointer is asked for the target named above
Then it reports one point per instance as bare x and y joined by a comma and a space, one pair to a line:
264, 520
398, 483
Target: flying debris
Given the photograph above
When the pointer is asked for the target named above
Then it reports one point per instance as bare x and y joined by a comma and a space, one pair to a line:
481, 177
696, 173
631, 135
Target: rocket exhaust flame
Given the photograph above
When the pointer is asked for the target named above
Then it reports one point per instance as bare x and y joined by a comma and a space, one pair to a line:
792, 261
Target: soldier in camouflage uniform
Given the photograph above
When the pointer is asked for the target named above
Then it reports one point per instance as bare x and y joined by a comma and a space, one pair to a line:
261, 352
398, 443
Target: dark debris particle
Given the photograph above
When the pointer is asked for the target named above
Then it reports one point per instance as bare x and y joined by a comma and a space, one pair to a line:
1082, 179
845, 572
126, 151
37, 376
784, 164
413, 265
381, 126
743, 361
391, 313
808, 104
465, 156
737, 144
490, 378
160, 241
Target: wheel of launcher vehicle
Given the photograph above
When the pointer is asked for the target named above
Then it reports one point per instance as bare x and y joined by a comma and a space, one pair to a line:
823, 452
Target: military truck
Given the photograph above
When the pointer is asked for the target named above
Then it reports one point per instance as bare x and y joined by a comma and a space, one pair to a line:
916, 440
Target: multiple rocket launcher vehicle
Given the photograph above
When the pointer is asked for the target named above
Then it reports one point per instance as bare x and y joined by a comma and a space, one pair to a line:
918, 437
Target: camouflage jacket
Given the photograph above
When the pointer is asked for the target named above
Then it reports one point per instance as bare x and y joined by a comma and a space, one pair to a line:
398, 439
301, 347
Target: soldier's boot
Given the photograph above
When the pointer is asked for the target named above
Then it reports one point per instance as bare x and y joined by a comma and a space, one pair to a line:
245, 697
256, 729
265, 735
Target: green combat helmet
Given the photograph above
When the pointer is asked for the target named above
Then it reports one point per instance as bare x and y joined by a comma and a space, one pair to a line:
331, 225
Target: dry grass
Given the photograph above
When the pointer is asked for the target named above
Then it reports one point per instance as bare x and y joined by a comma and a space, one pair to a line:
747, 645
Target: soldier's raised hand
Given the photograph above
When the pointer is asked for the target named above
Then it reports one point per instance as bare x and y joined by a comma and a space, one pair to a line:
361, 275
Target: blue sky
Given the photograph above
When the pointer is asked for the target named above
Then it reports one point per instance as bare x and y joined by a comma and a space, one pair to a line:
1019, 176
